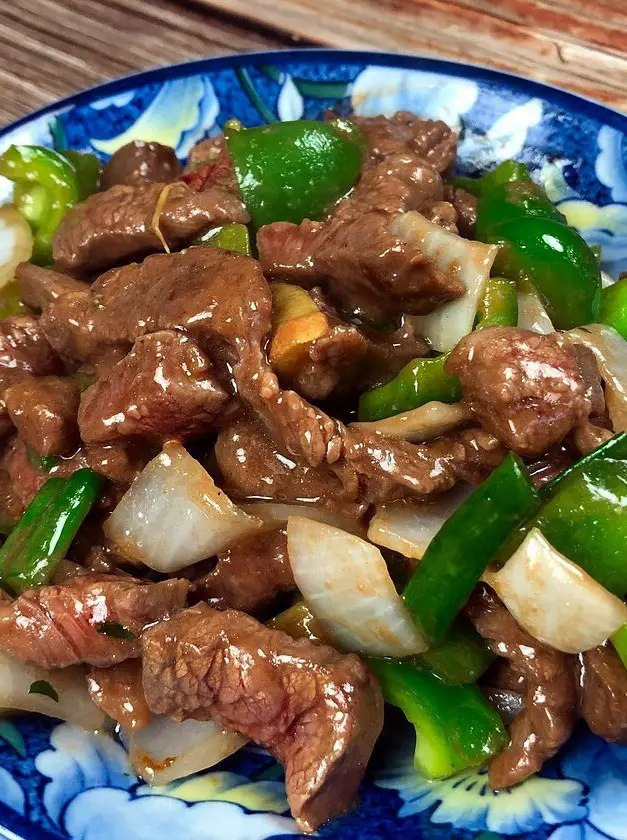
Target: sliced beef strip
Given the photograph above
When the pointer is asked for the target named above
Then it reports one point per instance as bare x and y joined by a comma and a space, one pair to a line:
25, 478
548, 717
117, 224
465, 206
362, 267
43, 409
58, 626
602, 683
525, 388
24, 348
318, 712
207, 151
587, 436
249, 575
120, 461
164, 387
432, 141
139, 162
39, 286
118, 691
11, 506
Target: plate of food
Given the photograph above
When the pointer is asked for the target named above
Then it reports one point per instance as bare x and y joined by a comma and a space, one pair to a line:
314, 456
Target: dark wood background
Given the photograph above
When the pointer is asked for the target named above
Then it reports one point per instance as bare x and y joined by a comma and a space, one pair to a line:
50, 48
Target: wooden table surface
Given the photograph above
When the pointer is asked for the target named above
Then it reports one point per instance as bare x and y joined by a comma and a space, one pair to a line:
50, 48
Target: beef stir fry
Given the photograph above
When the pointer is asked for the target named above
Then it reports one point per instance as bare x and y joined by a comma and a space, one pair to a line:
306, 426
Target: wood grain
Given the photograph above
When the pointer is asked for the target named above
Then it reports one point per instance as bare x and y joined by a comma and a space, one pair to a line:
51, 48
580, 45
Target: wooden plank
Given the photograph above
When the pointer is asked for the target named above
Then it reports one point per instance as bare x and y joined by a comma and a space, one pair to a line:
581, 47
51, 48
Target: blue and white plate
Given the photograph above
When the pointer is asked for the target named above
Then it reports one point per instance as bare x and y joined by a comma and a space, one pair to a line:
71, 784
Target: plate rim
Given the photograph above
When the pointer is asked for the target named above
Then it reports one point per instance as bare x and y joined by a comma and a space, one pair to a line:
568, 100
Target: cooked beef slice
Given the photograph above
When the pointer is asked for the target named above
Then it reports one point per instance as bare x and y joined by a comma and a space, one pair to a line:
11, 505
207, 151
318, 712
249, 575
24, 348
164, 387
465, 206
431, 141
523, 387
548, 717
602, 682
120, 461
25, 478
43, 409
58, 626
118, 224
118, 691
139, 162
38, 286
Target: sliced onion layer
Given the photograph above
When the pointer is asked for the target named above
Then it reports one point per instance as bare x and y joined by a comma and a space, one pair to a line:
275, 514
610, 350
531, 312
173, 515
166, 750
554, 599
427, 422
74, 704
469, 261
345, 582
16, 243
408, 527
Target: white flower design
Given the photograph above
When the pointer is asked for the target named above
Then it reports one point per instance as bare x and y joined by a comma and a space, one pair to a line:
610, 166
467, 801
181, 114
505, 138
383, 90
11, 794
290, 104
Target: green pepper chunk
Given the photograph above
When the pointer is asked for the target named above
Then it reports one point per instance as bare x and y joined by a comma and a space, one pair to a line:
456, 728
510, 171
88, 170
614, 307
292, 171
615, 447
45, 534
41, 462
619, 640
461, 658
10, 300
465, 544
558, 262
512, 201
419, 382
233, 237
499, 305
46, 186
585, 519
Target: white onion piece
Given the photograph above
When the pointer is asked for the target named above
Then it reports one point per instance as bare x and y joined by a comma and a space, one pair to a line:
173, 515
275, 514
606, 279
166, 750
16, 243
469, 261
427, 422
531, 313
74, 705
409, 527
346, 585
554, 599
610, 350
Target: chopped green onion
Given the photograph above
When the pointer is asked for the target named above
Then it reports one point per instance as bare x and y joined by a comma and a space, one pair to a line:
45, 688
114, 629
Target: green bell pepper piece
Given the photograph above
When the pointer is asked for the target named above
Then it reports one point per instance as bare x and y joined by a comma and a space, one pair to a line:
619, 640
10, 300
465, 544
419, 382
456, 728
512, 201
615, 447
461, 658
292, 171
233, 237
614, 306
46, 186
42, 537
586, 520
558, 262
499, 305
41, 462
88, 170
510, 171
